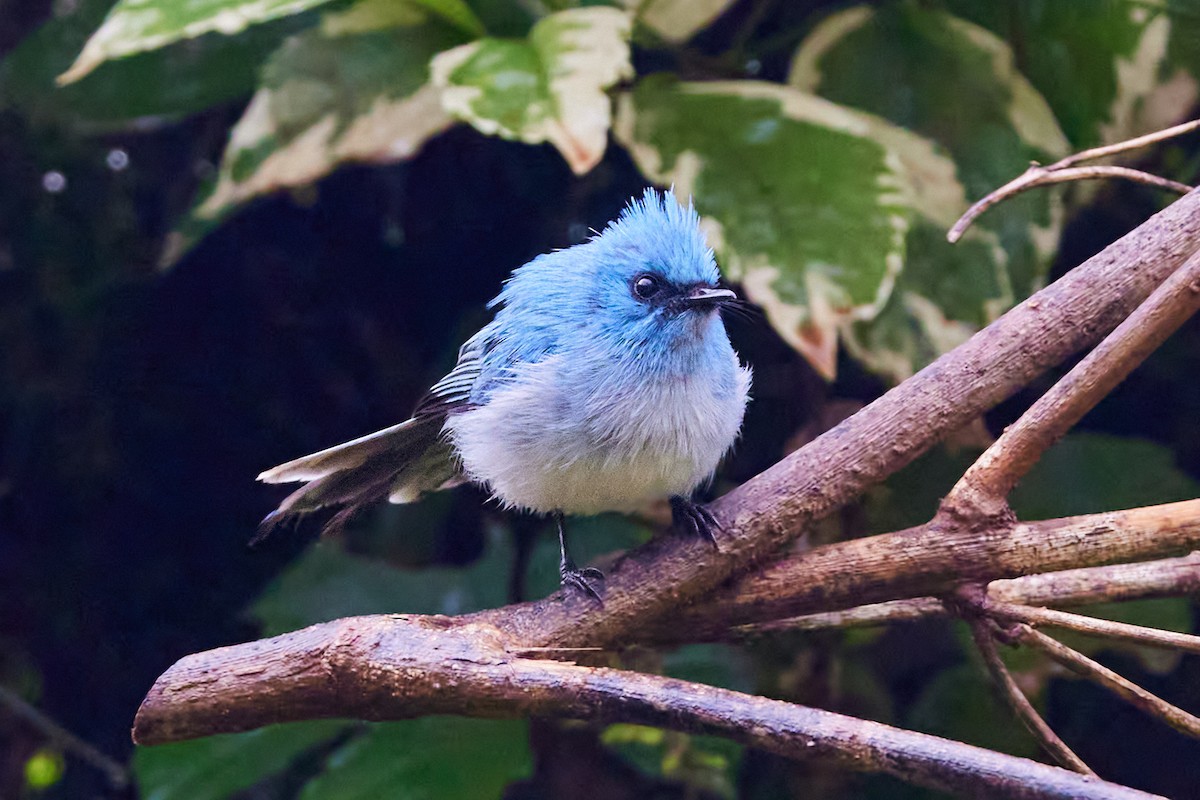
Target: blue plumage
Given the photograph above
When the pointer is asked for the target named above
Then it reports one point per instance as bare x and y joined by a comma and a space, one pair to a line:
605, 380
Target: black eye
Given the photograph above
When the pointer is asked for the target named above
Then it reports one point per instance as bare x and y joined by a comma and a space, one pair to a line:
646, 286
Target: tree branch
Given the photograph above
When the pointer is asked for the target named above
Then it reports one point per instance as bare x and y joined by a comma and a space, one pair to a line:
1062, 171
933, 559
1094, 626
1016, 700
1124, 688
1167, 577
405, 666
983, 489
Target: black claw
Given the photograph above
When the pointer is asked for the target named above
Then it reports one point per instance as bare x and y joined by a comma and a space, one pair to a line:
572, 576
694, 519
582, 580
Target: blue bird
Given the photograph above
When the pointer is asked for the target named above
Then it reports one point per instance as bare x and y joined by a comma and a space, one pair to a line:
605, 380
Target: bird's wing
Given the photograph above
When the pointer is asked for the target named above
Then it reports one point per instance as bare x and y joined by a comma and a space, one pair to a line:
403, 442
453, 392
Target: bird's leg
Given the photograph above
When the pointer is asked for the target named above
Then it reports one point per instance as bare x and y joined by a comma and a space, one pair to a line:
692, 518
571, 575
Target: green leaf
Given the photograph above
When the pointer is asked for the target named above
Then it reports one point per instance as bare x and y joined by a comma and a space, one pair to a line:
1110, 69
138, 26
933, 62
329, 97
549, 87
1087, 473
817, 241
432, 758
1080, 56
161, 85
215, 767
328, 583
706, 764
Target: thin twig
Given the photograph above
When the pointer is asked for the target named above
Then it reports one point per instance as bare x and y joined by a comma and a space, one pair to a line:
62, 738
1166, 577
1122, 687
1129, 144
981, 632
1070, 174
989, 480
1038, 175
1123, 631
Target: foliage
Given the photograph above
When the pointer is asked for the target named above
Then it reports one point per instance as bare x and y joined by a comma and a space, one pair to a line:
827, 215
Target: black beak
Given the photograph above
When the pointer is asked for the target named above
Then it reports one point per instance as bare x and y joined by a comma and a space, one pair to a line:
706, 297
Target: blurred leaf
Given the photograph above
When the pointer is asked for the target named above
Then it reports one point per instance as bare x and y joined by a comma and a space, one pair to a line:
326, 100
704, 763
369, 15
816, 241
215, 767
1005, 124
328, 583
44, 769
960, 704
1097, 63
1087, 473
547, 88
137, 26
432, 758
163, 84
676, 21
945, 293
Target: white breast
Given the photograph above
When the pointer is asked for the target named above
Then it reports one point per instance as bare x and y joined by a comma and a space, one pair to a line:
538, 446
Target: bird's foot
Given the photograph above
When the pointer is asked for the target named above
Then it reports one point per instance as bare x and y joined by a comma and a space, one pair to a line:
581, 580
694, 519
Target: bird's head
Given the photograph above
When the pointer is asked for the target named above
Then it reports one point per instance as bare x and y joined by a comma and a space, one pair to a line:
654, 271
648, 277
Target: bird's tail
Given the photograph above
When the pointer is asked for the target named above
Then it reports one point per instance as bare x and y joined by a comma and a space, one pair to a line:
399, 463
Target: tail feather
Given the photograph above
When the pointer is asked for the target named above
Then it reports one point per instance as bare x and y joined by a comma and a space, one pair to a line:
410, 438
399, 463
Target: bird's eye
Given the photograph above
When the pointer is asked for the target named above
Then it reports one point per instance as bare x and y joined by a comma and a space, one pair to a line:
646, 286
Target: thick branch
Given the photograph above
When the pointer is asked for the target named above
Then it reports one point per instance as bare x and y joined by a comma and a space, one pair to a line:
777, 506
990, 479
1167, 577
399, 667
931, 560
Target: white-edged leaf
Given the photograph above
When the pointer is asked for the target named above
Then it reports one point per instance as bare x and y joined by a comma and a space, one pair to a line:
136, 26
807, 203
956, 83
330, 99
549, 87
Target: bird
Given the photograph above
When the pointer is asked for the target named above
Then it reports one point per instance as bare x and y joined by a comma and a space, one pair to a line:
605, 380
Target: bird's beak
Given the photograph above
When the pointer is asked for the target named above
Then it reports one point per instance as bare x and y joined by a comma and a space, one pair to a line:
705, 297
